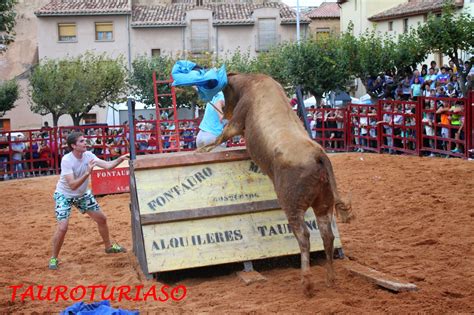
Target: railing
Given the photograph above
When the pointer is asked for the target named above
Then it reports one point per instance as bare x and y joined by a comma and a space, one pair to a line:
429, 126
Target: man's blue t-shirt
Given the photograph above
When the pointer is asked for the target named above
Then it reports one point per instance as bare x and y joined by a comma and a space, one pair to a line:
210, 122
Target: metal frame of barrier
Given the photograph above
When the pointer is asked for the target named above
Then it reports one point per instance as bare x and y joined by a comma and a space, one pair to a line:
328, 128
35, 155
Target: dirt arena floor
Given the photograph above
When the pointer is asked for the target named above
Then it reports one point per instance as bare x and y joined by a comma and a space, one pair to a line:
415, 221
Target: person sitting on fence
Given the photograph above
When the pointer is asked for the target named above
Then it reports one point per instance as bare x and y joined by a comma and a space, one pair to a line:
45, 130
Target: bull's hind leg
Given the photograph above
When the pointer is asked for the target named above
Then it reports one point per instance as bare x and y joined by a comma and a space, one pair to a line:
325, 229
301, 233
230, 130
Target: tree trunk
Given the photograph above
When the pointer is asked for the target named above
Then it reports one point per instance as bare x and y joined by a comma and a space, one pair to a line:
55, 120
76, 119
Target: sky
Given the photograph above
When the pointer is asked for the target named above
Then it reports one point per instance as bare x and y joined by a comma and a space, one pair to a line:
306, 3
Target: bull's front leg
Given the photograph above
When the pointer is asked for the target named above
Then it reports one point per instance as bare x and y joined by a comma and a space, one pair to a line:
230, 130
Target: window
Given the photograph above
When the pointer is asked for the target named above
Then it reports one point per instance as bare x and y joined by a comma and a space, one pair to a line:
67, 32
104, 31
405, 25
267, 36
390, 26
199, 36
90, 118
4, 124
322, 32
156, 52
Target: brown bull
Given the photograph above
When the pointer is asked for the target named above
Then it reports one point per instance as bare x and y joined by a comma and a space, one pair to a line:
301, 172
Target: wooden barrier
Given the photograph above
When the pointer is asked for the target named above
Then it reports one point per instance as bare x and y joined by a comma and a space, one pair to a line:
199, 209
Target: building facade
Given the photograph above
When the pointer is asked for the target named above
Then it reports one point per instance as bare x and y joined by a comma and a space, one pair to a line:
132, 28
325, 20
395, 17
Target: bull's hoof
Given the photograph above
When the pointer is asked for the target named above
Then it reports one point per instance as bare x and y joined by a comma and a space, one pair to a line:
330, 281
308, 287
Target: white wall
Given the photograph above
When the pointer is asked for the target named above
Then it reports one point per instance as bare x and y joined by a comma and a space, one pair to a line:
168, 40
50, 47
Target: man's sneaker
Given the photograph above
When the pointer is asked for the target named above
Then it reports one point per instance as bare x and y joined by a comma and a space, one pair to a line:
115, 248
53, 263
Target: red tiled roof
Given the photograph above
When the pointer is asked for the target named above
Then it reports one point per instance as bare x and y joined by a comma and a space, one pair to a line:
327, 10
224, 14
85, 7
411, 8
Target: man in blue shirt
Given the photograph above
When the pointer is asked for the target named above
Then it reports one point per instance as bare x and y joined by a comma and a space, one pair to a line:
212, 125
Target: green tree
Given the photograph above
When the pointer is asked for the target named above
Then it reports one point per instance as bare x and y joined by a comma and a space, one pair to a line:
8, 96
450, 34
7, 21
240, 62
317, 65
96, 81
73, 86
410, 51
372, 55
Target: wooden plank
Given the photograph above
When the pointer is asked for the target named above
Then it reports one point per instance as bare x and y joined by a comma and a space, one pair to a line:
379, 278
235, 238
201, 186
137, 232
201, 213
156, 161
249, 277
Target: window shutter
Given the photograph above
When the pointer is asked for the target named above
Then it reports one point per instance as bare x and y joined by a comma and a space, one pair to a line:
199, 35
67, 30
266, 34
103, 27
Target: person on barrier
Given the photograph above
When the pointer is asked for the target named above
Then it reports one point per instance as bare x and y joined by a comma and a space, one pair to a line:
71, 189
457, 121
443, 113
212, 123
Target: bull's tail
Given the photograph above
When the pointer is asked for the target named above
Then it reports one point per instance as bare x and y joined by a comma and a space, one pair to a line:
343, 209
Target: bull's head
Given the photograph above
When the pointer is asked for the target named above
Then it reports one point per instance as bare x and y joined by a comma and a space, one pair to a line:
231, 94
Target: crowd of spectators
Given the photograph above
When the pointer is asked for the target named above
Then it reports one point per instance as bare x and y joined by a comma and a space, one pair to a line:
442, 114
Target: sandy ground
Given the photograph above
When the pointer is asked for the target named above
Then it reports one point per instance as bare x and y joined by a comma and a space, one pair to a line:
415, 221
